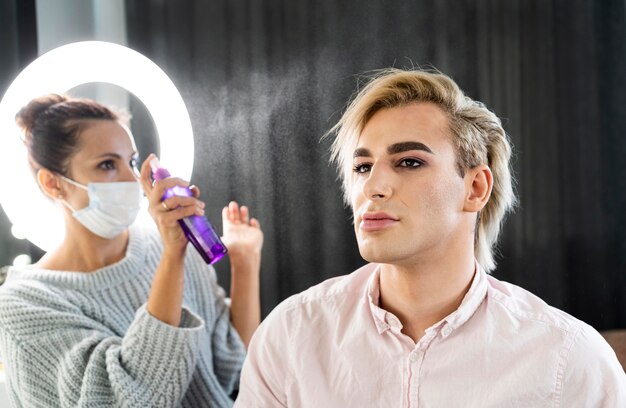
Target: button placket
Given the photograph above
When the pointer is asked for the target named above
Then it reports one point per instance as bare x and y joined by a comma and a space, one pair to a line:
416, 357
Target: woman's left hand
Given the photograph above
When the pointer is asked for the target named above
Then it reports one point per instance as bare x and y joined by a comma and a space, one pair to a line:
244, 239
242, 235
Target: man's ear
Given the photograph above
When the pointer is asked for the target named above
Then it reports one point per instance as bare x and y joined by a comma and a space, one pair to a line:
478, 185
49, 183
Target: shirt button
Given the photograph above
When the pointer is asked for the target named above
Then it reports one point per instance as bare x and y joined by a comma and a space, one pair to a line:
414, 357
446, 331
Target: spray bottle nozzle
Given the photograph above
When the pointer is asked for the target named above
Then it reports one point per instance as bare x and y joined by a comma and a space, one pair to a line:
155, 164
158, 172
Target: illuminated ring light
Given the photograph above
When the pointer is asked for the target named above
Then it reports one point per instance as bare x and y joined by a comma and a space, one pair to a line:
58, 71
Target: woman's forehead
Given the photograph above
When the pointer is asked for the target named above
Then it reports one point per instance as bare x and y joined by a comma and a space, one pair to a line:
101, 136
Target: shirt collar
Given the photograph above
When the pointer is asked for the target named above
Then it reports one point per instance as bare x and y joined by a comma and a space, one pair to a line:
373, 296
473, 298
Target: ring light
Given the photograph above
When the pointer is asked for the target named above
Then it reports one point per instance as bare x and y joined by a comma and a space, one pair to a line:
58, 71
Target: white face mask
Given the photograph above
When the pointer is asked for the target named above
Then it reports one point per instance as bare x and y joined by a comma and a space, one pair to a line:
112, 207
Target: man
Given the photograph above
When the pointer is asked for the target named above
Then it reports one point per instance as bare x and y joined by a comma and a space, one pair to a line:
426, 172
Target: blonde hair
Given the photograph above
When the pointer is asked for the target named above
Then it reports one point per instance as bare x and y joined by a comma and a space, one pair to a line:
477, 135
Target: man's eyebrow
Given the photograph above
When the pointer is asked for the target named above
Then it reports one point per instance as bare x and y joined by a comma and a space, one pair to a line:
361, 152
394, 149
406, 146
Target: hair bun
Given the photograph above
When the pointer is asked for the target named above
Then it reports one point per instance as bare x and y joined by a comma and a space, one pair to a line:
28, 115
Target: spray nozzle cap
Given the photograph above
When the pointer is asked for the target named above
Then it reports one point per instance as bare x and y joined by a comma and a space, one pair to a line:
158, 172
155, 164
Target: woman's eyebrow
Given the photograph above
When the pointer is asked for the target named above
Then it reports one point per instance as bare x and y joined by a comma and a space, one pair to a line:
113, 155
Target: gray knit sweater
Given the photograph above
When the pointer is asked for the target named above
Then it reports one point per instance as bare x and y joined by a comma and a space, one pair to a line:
85, 339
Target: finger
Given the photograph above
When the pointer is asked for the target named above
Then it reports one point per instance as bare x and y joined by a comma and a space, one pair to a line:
255, 223
233, 210
181, 201
160, 186
144, 178
225, 215
244, 215
200, 208
170, 218
195, 191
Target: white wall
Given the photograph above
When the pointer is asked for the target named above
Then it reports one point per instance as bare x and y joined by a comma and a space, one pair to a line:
61, 22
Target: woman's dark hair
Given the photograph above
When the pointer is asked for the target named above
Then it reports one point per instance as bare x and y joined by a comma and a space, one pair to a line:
52, 124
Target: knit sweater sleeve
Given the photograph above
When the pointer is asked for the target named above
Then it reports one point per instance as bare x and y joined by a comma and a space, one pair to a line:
59, 357
223, 341
228, 351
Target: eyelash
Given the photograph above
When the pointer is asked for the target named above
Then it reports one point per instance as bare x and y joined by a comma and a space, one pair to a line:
363, 168
358, 169
107, 165
417, 162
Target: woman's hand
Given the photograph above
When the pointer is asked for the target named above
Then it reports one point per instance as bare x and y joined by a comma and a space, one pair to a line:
166, 295
242, 235
166, 213
244, 239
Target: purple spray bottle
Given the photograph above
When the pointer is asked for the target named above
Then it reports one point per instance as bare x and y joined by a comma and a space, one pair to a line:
198, 229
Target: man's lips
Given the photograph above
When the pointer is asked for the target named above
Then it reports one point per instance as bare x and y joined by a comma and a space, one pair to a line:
376, 221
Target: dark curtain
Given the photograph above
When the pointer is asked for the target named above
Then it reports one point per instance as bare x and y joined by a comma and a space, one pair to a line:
264, 80
18, 48
18, 38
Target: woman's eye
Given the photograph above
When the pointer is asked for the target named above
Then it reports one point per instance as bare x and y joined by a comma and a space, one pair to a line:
107, 165
361, 168
134, 163
410, 163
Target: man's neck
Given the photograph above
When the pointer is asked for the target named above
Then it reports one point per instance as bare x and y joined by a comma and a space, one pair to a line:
421, 295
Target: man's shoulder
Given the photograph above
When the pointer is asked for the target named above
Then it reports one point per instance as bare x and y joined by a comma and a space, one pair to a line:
529, 307
338, 289
329, 301
580, 352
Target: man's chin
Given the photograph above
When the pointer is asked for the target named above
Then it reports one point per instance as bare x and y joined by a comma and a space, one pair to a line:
378, 255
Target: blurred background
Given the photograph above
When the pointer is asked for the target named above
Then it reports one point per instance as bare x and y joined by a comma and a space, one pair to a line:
264, 80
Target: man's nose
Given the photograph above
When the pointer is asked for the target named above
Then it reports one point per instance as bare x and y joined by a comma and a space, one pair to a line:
378, 185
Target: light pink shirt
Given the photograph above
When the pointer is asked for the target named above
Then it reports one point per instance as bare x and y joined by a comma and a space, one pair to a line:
332, 346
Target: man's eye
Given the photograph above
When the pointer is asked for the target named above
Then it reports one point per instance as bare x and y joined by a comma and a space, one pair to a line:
361, 168
410, 163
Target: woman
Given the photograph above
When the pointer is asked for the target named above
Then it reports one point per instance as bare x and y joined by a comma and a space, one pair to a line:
118, 315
